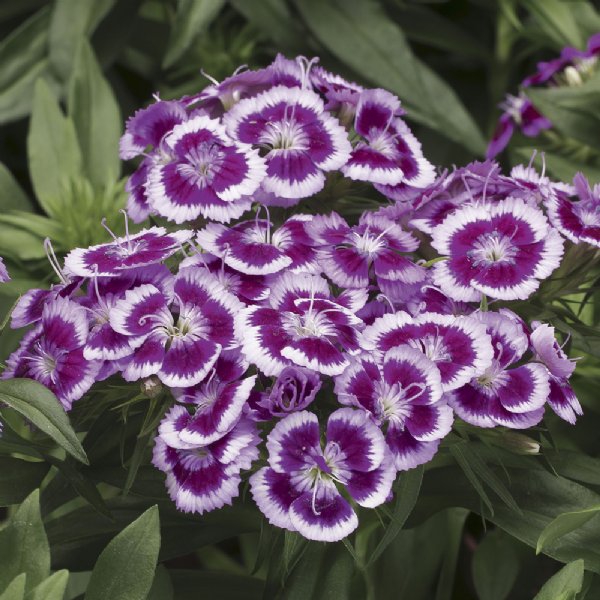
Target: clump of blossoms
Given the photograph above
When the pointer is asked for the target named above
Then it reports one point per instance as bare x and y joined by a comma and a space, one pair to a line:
572, 68
313, 356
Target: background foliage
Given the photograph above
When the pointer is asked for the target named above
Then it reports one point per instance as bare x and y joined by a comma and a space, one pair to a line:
494, 516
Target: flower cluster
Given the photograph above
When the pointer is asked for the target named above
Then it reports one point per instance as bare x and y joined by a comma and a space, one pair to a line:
572, 68
347, 348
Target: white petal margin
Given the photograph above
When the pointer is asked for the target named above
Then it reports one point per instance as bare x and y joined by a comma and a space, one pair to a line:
268, 505
252, 347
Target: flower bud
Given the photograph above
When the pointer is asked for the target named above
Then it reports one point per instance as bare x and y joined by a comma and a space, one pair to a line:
151, 387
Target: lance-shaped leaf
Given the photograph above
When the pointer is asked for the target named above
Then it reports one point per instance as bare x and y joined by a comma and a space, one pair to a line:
565, 584
125, 569
24, 545
97, 118
40, 406
52, 148
564, 524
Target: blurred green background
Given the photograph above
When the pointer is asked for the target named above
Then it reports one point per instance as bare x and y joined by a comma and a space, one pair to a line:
72, 71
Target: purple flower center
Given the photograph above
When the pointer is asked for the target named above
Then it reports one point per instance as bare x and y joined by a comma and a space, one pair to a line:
433, 347
492, 248
204, 161
44, 362
285, 135
310, 324
492, 379
368, 242
394, 401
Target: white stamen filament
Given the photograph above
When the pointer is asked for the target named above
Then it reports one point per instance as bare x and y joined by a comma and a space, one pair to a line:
51, 256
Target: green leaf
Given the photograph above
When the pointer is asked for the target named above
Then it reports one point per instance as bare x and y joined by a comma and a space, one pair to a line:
38, 225
276, 20
40, 406
192, 18
455, 524
22, 56
428, 26
11, 194
565, 584
191, 585
407, 492
15, 589
541, 495
97, 118
82, 484
20, 244
556, 20
24, 545
125, 569
495, 566
18, 478
324, 571
52, 588
360, 34
52, 148
564, 524
71, 21
471, 462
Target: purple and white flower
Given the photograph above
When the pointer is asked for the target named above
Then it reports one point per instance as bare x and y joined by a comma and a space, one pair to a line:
203, 478
303, 325
298, 490
180, 348
203, 170
519, 112
390, 154
505, 394
458, 346
501, 250
216, 404
53, 352
562, 399
148, 126
301, 139
351, 256
579, 221
148, 247
251, 248
401, 391
4, 276
293, 390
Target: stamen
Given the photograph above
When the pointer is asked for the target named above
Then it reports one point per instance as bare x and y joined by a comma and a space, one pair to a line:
420, 389
314, 494
112, 235
305, 67
533, 155
209, 77
124, 212
543, 155
383, 298
51, 256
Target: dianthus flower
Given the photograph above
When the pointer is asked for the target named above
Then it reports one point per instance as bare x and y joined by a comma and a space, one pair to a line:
501, 250
402, 391
303, 325
505, 394
298, 490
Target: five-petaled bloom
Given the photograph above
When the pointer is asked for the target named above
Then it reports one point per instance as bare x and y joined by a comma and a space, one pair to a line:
299, 489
